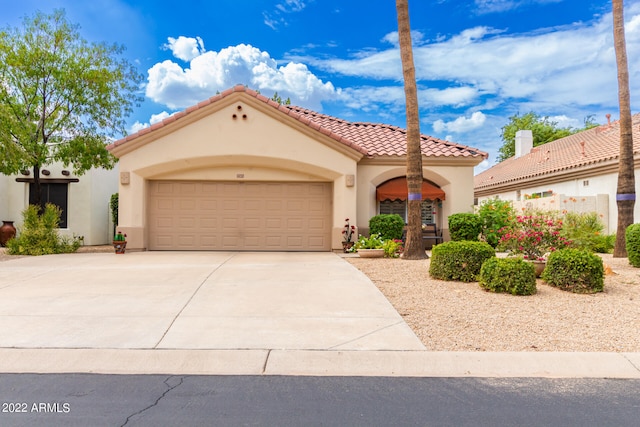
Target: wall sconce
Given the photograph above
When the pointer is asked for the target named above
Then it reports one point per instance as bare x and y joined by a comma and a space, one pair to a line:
66, 172
25, 172
350, 180
46, 172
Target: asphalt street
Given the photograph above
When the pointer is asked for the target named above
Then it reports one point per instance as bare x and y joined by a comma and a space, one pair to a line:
161, 400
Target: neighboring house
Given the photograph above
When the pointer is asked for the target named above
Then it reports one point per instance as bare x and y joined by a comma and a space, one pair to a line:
242, 172
84, 200
576, 173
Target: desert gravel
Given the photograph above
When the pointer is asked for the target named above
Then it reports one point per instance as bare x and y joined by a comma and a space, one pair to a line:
457, 316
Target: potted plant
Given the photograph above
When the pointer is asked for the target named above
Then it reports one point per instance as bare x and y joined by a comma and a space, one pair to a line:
120, 242
370, 247
533, 237
347, 234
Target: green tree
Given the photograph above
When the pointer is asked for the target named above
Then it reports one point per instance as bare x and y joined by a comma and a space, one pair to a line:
61, 98
543, 129
414, 247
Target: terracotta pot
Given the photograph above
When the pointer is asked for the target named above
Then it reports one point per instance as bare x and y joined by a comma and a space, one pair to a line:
539, 267
119, 246
346, 246
7, 232
371, 253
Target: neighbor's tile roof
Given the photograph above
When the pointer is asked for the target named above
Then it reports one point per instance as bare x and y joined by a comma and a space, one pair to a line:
372, 140
583, 150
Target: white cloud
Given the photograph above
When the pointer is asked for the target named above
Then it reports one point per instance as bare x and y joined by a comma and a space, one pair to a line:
155, 118
461, 124
277, 17
209, 72
185, 48
555, 68
496, 6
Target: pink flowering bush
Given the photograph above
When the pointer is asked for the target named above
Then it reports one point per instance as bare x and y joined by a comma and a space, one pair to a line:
534, 236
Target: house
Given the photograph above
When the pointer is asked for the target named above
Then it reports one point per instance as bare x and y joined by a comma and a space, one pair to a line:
577, 173
84, 200
242, 172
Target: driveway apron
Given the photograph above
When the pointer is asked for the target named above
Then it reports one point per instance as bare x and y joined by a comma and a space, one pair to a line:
196, 300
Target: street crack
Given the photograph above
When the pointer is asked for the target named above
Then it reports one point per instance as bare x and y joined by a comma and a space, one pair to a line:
171, 382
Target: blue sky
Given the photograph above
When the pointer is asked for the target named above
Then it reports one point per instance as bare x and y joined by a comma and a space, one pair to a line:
477, 61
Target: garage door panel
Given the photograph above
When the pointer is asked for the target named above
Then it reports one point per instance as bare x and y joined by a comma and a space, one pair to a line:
239, 216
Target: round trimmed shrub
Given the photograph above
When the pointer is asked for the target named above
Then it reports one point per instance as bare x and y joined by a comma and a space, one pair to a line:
632, 240
459, 261
464, 226
575, 270
513, 275
388, 226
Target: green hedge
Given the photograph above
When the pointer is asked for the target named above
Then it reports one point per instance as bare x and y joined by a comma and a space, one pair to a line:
388, 226
575, 270
464, 226
460, 261
632, 238
513, 275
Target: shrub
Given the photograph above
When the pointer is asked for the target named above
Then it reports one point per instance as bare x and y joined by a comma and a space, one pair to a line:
38, 234
388, 226
459, 261
464, 226
392, 248
513, 275
632, 239
372, 242
494, 215
575, 270
533, 236
585, 232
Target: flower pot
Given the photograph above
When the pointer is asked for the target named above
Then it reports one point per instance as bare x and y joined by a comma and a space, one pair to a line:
7, 232
119, 246
346, 246
371, 253
539, 267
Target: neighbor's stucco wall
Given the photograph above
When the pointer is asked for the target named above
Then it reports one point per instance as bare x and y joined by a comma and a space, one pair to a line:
219, 147
87, 203
570, 195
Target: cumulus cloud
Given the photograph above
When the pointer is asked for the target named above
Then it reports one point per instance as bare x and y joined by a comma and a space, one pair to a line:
208, 72
461, 124
155, 118
185, 48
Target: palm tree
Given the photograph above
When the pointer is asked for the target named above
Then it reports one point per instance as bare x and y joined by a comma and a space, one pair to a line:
626, 192
414, 247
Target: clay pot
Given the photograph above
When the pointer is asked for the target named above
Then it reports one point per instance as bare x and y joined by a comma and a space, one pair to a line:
7, 232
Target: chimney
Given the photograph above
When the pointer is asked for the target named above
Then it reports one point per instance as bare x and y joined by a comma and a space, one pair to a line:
524, 142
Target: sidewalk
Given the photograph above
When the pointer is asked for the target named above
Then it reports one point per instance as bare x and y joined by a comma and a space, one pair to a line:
233, 314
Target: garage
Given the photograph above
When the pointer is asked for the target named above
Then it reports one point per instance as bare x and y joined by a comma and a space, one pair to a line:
239, 216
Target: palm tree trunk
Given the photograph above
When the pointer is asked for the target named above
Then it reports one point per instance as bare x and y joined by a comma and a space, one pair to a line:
626, 191
414, 247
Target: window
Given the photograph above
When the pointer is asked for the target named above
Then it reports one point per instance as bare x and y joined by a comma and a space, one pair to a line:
400, 207
55, 194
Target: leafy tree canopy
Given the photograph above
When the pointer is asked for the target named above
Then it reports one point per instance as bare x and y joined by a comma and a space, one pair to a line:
61, 98
543, 129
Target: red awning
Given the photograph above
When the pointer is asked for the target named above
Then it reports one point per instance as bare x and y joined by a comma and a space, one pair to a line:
397, 189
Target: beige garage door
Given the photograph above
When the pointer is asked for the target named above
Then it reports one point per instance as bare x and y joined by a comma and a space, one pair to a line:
251, 216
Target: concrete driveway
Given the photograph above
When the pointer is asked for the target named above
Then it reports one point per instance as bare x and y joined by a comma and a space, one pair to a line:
195, 300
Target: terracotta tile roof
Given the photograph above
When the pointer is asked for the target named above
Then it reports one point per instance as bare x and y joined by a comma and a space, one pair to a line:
581, 151
372, 140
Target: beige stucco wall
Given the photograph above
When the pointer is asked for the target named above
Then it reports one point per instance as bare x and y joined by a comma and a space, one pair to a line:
215, 146
455, 181
87, 206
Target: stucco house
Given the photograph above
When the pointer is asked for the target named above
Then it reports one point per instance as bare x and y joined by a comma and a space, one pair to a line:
577, 173
84, 199
239, 171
